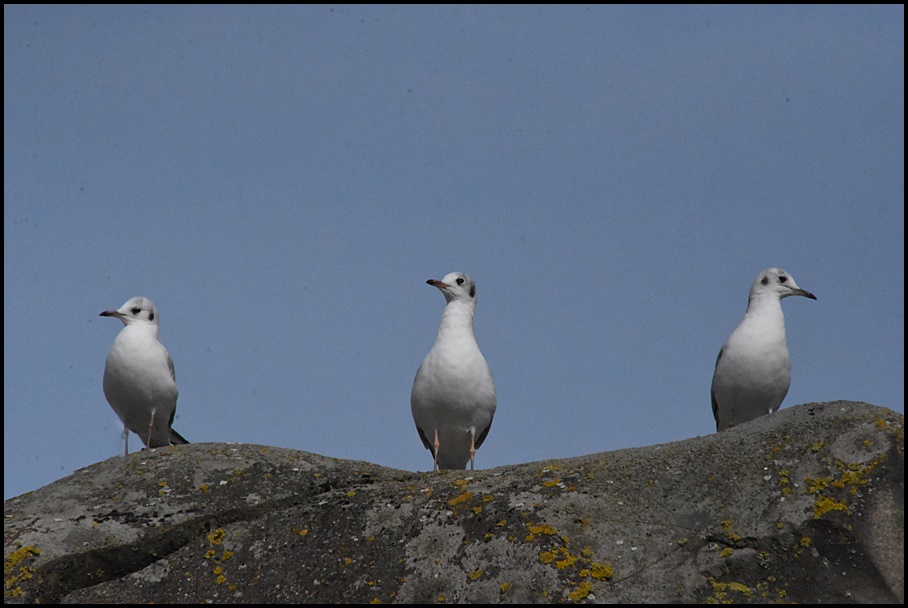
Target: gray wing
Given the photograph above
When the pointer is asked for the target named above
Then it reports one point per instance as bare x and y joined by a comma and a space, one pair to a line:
484, 433
175, 438
425, 441
712, 391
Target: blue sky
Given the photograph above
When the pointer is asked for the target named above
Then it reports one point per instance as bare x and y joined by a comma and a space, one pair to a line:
281, 181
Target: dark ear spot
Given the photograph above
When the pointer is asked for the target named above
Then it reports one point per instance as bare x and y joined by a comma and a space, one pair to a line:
764, 280
151, 316
473, 291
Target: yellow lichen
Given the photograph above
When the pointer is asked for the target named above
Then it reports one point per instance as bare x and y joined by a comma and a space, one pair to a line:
549, 469
549, 484
12, 577
854, 478
583, 590
546, 557
505, 586
815, 486
569, 560
740, 588
784, 481
726, 552
602, 572
720, 588
475, 574
543, 529
824, 505
217, 536
726, 525
460, 499
13, 559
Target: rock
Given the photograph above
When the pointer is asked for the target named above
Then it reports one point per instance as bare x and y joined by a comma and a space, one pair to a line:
806, 505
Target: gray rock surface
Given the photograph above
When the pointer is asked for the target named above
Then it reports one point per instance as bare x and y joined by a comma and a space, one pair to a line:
806, 505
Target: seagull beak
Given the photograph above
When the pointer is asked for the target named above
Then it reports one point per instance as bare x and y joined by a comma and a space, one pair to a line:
439, 284
803, 292
111, 313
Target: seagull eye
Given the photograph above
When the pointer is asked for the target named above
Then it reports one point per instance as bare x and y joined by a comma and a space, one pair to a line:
460, 280
136, 310
783, 278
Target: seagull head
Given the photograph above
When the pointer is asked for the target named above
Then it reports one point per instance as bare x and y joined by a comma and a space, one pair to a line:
776, 282
456, 286
136, 310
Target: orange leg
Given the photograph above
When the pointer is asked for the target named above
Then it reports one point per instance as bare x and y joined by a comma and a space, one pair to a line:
150, 428
435, 467
472, 452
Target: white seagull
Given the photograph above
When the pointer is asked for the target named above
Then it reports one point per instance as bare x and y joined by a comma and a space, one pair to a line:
753, 370
453, 398
139, 380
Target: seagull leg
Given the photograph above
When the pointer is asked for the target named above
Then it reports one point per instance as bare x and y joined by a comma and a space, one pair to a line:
150, 428
435, 463
472, 451
126, 435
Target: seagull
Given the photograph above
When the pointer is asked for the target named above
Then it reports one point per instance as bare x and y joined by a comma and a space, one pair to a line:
139, 380
453, 398
753, 370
